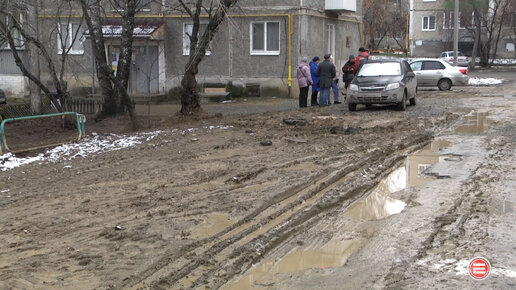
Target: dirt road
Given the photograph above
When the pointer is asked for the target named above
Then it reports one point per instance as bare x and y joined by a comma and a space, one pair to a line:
298, 199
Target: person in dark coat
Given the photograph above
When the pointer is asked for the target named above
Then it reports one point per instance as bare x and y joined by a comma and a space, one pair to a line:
314, 64
348, 71
326, 72
362, 57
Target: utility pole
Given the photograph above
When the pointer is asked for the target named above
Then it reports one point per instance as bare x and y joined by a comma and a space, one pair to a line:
456, 33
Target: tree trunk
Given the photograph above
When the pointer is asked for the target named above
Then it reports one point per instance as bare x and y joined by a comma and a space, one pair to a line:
190, 99
126, 51
33, 56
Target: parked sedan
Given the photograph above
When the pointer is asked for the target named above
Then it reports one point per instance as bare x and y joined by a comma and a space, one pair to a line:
385, 81
448, 56
436, 72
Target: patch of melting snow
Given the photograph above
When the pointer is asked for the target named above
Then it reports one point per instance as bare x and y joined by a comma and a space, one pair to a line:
484, 81
87, 146
461, 268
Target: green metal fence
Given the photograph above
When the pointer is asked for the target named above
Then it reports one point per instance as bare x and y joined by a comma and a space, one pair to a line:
79, 118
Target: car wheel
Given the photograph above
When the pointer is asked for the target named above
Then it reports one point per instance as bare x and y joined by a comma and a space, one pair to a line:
402, 106
413, 101
444, 84
352, 107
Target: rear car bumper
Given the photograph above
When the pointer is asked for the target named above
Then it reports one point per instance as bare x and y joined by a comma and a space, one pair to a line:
461, 81
376, 97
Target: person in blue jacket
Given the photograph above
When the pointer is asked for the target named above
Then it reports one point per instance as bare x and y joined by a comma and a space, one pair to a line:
314, 65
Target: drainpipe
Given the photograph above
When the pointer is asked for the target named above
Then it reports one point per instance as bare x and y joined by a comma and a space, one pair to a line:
411, 27
290, 32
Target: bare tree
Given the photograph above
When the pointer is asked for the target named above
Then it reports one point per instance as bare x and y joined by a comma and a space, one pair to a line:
384, 19
487, 27
18, 35
216, 11
113, 86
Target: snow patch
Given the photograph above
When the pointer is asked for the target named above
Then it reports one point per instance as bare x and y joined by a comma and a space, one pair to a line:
484, 81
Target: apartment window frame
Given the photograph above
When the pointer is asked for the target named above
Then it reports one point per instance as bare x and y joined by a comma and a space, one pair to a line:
60, 48
19, 41
427, 22
265, 51
186, 38
331, 39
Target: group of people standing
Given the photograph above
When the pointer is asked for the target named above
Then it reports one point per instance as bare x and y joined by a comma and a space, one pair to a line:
323, 77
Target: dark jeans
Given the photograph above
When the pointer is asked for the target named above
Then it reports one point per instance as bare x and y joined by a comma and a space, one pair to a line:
303, 97
314, 99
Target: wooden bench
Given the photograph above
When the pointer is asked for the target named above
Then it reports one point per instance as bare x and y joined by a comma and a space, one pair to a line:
212, 94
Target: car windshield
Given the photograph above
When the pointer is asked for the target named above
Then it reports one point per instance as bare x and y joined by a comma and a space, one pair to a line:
451, 54
380, 69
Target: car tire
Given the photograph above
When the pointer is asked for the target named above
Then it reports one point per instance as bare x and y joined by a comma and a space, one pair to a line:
352, 107
413, 101
444, 84
402, 106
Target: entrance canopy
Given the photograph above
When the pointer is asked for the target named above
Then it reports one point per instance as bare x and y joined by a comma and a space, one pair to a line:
154, 31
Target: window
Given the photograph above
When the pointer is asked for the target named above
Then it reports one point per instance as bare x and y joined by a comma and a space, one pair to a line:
465, 20
331, 39
265, 38
513, 24
19, 42
428, 23
348, 41
416, 65
187, 30
70, 39
433, 65
142, 5
380, 69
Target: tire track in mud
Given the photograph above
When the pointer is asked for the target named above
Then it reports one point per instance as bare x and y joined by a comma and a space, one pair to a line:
235, 249
450, 230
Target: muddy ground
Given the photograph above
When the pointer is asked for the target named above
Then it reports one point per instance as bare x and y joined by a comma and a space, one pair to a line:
280, 198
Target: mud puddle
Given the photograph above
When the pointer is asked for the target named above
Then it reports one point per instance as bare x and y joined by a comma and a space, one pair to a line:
211, 224
267, 273
477, 123
379, 204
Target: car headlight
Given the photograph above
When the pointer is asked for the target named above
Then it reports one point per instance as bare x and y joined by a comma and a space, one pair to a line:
392, 86
353, 88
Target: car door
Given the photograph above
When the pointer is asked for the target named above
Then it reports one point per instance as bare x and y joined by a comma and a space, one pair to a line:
432, 71
410, 78
417, 69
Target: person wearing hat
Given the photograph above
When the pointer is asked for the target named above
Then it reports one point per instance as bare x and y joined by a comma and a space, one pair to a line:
362, 57
304, 80
348, 71
326, 72
314, 64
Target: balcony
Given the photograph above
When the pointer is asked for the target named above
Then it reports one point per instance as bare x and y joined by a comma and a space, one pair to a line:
341, 5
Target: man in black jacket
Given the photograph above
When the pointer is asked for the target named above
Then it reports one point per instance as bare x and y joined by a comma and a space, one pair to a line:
326, 72
348, 71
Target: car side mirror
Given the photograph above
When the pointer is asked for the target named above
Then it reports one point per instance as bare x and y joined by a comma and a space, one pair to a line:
410, 74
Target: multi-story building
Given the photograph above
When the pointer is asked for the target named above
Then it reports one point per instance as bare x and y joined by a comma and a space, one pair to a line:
431, 29
260, 43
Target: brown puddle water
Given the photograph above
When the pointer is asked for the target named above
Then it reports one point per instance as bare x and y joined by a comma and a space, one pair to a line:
378, 204
211, 224
477, 123
333, 254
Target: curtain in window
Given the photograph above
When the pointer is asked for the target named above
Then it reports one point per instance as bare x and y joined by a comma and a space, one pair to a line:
272, 36
258, 36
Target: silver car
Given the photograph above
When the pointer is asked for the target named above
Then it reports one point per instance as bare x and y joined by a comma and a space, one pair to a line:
433, 72
448, 56
385, 81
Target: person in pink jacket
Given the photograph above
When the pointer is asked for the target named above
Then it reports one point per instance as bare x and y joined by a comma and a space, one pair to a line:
304, 79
